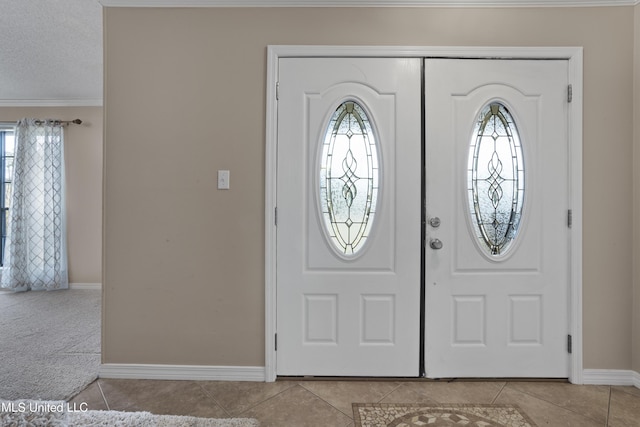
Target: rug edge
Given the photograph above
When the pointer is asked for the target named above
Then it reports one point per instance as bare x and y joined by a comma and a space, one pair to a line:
358, 421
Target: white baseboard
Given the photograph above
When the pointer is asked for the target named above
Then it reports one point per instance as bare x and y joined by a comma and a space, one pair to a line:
182, 372
611, 377
257, 373
96, 286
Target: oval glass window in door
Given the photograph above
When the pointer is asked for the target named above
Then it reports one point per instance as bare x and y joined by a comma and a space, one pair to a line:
349, 178
495, 179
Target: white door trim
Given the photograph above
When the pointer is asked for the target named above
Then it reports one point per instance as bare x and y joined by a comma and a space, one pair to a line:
573, 54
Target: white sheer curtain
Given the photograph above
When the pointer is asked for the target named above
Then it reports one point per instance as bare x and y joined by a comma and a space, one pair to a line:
36, 245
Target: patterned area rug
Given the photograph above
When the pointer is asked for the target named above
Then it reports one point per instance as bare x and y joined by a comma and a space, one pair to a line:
413, 415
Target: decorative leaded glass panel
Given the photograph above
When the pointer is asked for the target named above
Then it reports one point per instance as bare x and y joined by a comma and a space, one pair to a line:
495, 179
349, 178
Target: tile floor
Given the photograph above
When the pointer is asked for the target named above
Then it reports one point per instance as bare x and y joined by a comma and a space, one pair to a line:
328, 403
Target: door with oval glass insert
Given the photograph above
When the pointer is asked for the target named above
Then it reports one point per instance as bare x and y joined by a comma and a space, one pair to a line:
348, 232
497, 178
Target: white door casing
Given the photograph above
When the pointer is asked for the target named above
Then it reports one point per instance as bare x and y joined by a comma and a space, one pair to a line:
574, 57
341, 314
501, 315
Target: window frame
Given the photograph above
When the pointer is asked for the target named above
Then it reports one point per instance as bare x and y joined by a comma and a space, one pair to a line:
5, 128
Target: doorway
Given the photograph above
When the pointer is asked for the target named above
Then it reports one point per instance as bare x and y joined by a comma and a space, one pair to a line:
385, 316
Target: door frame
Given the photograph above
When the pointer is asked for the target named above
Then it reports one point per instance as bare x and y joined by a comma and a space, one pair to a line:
574, 56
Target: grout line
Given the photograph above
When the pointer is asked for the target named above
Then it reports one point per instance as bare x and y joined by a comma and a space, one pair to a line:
210, 396
499, 393
350, 416
255, 405
103, 396
392, 391
564, 408
609, 407
623, 389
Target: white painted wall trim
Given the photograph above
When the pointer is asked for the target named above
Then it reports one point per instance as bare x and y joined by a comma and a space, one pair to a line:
51, 102
94, 286
182, 372
575, 57
611, 377
575, 204
366, 3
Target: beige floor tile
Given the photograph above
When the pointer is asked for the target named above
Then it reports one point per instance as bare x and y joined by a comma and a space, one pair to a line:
91, 397
591, 401
160, 397
625, 409
629, 389
297, 407
238, 396
328, 403
544, 413
457, 391
341, 394
409, 392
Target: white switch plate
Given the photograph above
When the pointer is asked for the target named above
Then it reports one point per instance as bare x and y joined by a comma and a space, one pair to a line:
223, 180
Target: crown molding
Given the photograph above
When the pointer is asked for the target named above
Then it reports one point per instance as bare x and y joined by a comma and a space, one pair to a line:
50, 102
367, 3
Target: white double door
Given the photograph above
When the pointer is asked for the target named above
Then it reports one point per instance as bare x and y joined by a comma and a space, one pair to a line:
364, 288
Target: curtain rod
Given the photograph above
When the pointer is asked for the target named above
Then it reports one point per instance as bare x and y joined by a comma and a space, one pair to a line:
60, 122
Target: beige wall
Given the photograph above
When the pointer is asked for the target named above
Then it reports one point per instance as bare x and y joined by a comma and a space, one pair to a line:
185, 96
83, 168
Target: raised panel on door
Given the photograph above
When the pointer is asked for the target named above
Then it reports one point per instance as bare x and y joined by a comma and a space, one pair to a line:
348, 233
497, 289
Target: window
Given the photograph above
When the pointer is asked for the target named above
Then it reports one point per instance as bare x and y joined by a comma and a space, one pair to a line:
349, 178
7, 146
495, 179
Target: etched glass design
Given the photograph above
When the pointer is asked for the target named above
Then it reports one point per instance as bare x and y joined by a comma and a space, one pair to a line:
349, 178
495, 179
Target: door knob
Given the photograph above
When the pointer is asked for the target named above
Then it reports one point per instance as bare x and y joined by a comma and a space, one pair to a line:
435, 244
434, 222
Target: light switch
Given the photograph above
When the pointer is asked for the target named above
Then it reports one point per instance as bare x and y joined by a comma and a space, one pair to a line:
223, 180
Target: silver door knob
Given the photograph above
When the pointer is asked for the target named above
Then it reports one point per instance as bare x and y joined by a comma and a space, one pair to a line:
435, 244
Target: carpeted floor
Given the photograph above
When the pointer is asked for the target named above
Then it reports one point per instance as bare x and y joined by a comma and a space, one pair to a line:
410, 415
49, 343
58, 413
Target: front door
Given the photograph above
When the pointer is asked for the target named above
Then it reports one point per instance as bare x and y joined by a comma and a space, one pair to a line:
348, 216
497, 250
496, 263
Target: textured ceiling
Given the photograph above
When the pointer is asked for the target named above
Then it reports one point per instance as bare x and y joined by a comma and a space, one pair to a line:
50, 52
